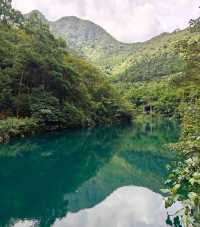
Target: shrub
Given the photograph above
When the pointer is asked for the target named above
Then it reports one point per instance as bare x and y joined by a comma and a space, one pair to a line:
14, 127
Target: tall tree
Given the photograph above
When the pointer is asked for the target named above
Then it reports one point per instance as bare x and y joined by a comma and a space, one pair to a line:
8, 15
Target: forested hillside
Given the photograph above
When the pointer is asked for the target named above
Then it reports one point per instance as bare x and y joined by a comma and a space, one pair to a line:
155, 59
135, 62
90, 41
44, 87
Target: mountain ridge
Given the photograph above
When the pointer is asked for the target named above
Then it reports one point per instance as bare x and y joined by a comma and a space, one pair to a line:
116, 59
40, 14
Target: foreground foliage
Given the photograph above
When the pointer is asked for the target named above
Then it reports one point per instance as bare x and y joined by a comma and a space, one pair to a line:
184, 180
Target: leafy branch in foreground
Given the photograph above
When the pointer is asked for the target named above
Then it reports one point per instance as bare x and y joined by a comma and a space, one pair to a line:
184, 179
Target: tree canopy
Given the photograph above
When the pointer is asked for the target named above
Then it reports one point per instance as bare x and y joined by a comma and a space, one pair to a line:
39, 79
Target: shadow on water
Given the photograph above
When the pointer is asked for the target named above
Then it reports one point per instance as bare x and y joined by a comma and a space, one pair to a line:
43, 178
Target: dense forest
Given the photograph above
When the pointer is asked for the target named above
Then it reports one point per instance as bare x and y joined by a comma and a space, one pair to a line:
44, 87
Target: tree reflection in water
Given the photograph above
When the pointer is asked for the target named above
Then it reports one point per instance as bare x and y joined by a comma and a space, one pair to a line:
43, 178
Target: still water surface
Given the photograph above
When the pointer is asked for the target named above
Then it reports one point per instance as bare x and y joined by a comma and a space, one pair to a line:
103, 177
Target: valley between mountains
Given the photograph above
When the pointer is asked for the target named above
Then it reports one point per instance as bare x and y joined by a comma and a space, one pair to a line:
121, 61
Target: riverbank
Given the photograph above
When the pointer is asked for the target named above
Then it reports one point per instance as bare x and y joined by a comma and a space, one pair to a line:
24, 127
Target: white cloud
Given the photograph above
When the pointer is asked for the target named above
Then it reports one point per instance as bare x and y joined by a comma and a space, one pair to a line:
127, 20
127, 206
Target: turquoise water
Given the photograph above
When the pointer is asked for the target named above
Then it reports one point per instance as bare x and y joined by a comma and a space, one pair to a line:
103, 177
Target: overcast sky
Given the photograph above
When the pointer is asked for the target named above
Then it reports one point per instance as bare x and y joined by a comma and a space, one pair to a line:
126, 20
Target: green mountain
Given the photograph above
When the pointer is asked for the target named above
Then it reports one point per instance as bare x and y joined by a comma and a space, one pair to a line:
91, 41
124, 62
155, 58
